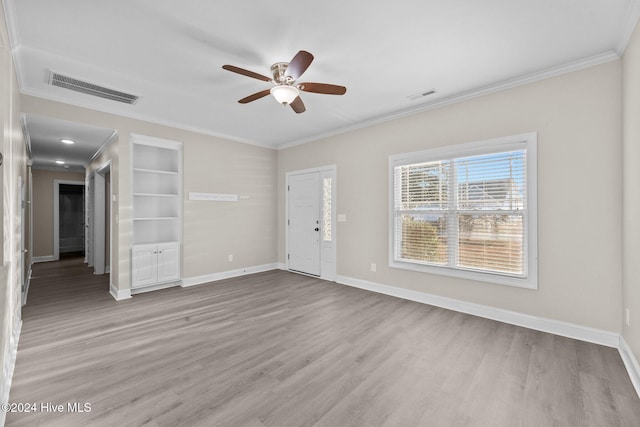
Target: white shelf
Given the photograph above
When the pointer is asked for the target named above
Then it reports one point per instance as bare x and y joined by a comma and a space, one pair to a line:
156, 185
155, 218
155, 171
154, 195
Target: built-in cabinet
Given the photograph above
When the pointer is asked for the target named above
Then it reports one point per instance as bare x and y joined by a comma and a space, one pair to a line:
155, 263
157, 211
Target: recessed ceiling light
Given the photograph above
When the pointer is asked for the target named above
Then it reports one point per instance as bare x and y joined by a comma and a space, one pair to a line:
60, 162
68, 141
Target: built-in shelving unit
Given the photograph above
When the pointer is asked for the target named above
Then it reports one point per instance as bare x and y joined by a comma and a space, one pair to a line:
157, 210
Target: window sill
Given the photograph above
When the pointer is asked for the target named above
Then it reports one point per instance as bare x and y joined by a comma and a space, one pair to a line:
529, 282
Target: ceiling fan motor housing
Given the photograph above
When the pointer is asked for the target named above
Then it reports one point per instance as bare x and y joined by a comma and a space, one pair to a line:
278, 71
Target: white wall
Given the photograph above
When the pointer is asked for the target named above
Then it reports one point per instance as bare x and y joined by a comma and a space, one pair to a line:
631, 185
577, 117
13, 150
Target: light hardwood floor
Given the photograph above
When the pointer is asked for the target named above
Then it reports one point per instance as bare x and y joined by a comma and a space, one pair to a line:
280, 349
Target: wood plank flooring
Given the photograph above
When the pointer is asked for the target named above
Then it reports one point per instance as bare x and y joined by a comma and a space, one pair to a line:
280, 349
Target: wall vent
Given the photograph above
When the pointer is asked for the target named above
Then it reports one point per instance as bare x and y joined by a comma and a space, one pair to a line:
60, 80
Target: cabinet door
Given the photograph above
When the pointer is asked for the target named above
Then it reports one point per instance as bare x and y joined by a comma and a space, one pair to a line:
144, 265
168, 262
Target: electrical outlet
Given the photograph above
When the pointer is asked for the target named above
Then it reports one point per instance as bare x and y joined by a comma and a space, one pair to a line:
373, 267
230, 257
628, 320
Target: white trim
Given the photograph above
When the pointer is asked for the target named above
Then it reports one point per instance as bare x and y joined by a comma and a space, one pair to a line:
26, 287
631, 363
119, 294
56, 213
154, 287
632, 15
282, 266
153, 141
500, 86
99, 217
556, 327
45, 258
213, 277
9, 366
103, 147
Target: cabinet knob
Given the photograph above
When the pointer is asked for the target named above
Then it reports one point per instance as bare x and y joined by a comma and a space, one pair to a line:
155, 252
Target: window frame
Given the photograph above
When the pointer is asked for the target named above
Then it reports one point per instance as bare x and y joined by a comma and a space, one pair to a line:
527, 141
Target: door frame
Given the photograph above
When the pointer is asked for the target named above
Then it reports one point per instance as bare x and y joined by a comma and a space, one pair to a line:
56, 213
88, 220
99, 218
328, 249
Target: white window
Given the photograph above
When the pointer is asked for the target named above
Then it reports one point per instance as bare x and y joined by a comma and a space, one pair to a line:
467, 211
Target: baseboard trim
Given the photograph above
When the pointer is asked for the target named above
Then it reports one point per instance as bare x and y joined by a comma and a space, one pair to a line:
214, 277
119, 294
45, 258
26, 287
149, 288
282, 266
565, 329
631, 363
9, 366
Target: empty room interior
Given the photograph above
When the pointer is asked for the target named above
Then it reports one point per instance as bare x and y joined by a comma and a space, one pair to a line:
414, 213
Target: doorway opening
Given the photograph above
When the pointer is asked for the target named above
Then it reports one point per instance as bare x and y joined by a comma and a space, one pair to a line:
99, 219
68, 218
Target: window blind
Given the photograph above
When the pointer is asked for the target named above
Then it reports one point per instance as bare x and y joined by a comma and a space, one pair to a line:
463, 212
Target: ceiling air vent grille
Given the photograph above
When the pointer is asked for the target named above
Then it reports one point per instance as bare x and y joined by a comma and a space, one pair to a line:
67, 82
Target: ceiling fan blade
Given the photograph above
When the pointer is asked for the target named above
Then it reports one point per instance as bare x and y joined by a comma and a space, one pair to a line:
324, 88
255, 96
299, 64
247, 73
298, 105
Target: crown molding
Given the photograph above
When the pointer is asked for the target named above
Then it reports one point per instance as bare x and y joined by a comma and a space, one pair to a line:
526, 79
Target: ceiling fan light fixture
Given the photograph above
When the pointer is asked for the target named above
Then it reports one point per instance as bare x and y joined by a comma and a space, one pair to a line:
284, 94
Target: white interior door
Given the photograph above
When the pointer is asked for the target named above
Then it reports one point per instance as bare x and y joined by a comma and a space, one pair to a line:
304, 223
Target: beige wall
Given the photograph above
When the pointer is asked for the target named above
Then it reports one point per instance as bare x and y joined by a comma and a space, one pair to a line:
631, 186
13, 150
577, 117
212, 230
43, 208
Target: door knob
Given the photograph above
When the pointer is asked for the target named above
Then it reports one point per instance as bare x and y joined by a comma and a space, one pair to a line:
317, 229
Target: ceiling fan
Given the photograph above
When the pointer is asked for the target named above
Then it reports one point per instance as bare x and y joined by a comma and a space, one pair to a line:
285, 90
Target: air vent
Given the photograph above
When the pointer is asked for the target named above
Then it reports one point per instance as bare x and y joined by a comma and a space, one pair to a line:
421, 94
67, 82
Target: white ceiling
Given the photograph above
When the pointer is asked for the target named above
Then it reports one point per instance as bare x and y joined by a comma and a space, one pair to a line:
170, 53
45, 135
